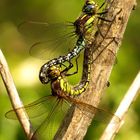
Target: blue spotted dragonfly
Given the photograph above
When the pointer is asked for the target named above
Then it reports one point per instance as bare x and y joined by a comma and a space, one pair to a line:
51, 109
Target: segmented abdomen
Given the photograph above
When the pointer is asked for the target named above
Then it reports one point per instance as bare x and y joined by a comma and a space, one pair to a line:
80, 45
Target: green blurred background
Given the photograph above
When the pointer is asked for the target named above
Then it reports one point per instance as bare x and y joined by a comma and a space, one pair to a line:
24, 67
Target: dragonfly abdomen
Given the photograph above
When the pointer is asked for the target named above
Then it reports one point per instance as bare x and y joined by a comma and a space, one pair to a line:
70, 90
43, 75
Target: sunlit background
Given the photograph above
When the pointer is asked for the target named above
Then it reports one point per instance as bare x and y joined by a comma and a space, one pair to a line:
25, 68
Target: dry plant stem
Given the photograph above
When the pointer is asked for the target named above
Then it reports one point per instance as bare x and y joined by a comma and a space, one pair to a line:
76, 123
13, 95
128, 99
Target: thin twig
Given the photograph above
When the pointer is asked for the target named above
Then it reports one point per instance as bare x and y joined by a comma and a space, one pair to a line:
14, 97
122, 110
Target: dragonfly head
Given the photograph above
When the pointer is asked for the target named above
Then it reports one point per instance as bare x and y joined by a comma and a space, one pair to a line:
48, 74
90, 7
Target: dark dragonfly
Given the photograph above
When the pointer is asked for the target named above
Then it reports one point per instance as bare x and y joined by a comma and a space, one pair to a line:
59, 35
47, 113
84, 26
50, 110
53, 107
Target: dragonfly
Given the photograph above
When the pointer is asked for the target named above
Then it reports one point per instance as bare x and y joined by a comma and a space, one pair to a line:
62, 97
47, 113
50, 110
82, 28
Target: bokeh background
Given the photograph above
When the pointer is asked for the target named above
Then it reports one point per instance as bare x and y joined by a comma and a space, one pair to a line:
24, 67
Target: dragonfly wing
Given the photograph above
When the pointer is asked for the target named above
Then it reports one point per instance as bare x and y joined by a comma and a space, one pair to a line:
101, 115
48, 40
50, 125
36, 108
99, 51
45, 115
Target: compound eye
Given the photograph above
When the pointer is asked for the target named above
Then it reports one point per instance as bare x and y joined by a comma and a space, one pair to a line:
43, 78
88, 9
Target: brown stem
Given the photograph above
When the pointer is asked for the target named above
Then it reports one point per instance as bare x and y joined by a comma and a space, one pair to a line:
75, 124
14, 96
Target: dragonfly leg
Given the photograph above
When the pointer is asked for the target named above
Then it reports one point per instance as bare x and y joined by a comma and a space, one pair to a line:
67, 68
113, 39
69, 74
102, 4
107, 20
103, 12
111, 21
63, 65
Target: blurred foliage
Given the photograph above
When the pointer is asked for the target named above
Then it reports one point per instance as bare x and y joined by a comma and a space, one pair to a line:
24, 68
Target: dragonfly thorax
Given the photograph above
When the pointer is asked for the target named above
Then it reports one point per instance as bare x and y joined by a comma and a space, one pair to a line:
79, 24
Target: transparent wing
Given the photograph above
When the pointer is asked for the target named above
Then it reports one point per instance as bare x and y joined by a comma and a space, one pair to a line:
109, 57
50, 125
100, 114
45, 115
48, 40
36, 108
